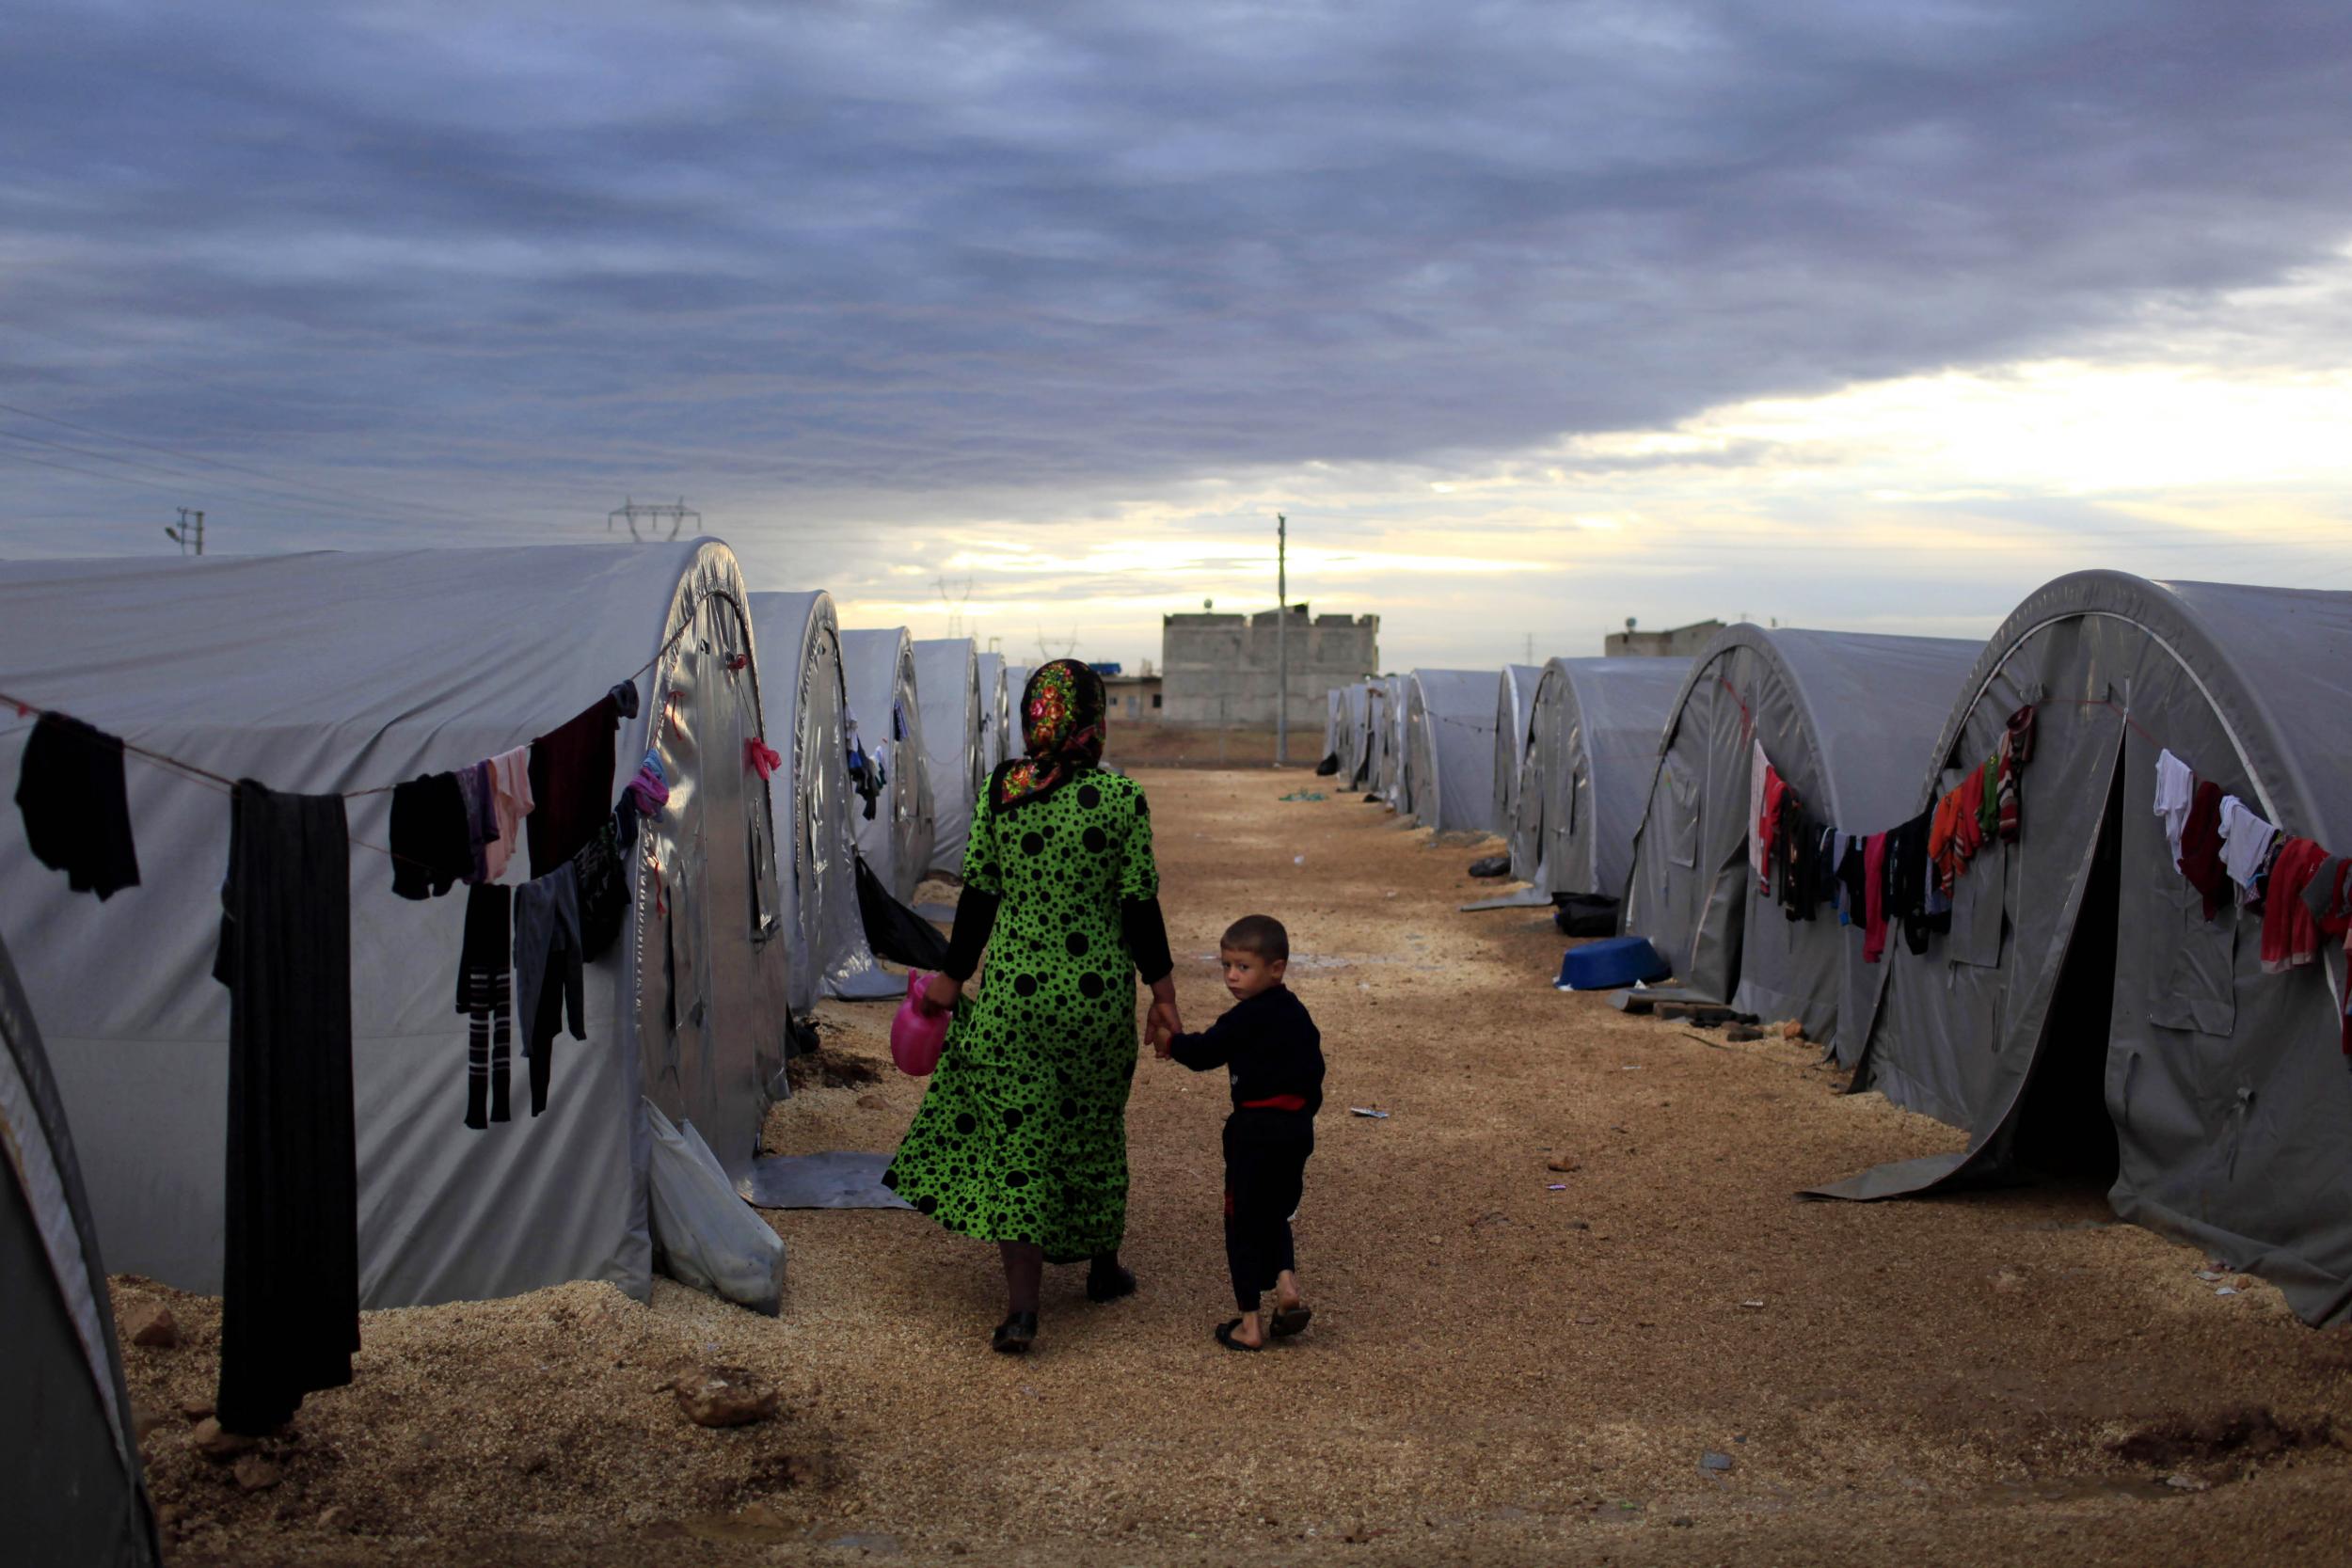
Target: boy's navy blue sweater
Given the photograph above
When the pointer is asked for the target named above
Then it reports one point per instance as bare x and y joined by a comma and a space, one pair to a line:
1270, 1046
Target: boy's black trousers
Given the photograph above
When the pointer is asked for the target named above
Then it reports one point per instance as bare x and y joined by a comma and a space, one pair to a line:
1265, 1167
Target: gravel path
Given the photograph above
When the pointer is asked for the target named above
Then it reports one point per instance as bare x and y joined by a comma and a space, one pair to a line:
1499, 1371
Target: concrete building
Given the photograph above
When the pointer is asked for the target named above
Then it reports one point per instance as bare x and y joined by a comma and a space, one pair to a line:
1682, 642
1220, 669
1136, 699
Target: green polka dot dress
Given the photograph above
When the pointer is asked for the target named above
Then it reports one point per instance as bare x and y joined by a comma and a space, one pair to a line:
1023, 1134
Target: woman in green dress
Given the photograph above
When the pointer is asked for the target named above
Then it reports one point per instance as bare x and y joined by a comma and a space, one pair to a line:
1022, 1137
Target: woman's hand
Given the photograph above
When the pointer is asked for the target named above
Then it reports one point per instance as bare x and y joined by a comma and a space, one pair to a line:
943, 991
1164, 1022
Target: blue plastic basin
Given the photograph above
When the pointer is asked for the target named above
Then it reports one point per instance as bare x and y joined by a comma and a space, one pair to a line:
1611, 964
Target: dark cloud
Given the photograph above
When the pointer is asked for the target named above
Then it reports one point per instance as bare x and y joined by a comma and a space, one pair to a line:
505, 262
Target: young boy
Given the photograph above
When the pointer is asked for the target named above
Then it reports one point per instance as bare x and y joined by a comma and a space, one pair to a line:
1274, 1054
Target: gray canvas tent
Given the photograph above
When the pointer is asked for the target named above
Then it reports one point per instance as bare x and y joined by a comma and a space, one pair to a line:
1848, 719
1334, 725
1592, 739
70, 1485
805, 706
1386, 728
2083, 1014
995, 712
331, 672
947, 682
1514, 715
1450, 749
878, 670
1355, 737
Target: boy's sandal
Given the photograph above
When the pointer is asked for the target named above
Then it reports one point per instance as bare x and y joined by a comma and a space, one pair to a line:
1287, 1321
1225, 1337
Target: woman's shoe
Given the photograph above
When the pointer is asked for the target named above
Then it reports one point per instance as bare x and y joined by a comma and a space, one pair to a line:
1109, 1284
1013, 1335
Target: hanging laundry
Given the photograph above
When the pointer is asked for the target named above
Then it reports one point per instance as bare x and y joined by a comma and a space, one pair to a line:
1794, 841
1766, 830
1989, 800
571, 780
1908, 876
2247, 841
485, 996
1874, 898
761, 759
624, 821
601, 872
866, 772
290, 1271
481, 817
1758, 770
1942, 832
2201, 847
1853, 874
2016, 750
510, 783
432, 840
77, 814
650, 788
1968, 834
2176, 788
2290, 934
548, 979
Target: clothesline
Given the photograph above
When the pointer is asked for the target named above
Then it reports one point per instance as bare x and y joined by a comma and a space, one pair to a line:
28, 709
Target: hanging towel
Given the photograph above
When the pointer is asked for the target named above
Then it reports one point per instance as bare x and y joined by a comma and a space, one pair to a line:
510, 779
77, 815
485, 995
2245, 845
1874, 898
290, 1271
2200, 846
432, 840
570, 780
2290, 934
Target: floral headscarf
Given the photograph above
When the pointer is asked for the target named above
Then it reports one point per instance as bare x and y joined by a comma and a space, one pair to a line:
1061, 723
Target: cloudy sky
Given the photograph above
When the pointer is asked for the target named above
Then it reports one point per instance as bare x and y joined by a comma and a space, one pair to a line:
1531, 317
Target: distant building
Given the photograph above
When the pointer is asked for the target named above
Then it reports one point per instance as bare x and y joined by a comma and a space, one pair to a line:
1134, 698
1219, 669
1682, 642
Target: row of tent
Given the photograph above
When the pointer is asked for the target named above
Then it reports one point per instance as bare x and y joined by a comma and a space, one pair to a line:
2082, 1013
343, 672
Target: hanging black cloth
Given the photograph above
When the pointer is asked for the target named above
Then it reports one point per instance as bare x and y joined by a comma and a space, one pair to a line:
893, 930
1905, 871
602, 871
571, 780
485, 996
77, 818
432, 840
289, 1286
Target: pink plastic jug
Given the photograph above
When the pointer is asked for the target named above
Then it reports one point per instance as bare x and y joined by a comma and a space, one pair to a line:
919, 1030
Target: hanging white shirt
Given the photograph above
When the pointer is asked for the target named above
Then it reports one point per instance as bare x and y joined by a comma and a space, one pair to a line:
1757, 764
2245, 841
2175, 787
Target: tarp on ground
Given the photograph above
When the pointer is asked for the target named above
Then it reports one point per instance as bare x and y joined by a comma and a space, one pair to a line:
894, 838
2083, 1003
807, 706
329, 673
1594, 736
1849, 719
71, 1483
1514, 715
948, 683
1450, 749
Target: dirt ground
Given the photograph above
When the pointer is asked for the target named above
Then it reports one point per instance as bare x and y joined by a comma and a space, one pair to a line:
1509, 1363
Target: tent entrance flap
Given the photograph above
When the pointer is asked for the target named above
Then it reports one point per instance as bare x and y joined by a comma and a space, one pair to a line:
2049, 1112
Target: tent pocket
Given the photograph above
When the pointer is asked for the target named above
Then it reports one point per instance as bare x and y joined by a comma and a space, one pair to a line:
1977, 908
2192, 961
1682, 845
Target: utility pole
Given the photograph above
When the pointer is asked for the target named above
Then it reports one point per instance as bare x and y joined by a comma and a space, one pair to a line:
675, 515
189, 532
1281, 641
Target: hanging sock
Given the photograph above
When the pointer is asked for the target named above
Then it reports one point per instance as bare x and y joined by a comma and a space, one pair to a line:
77, 817
290, 1274
432, 841
485, 995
